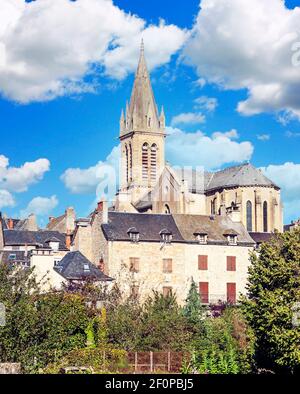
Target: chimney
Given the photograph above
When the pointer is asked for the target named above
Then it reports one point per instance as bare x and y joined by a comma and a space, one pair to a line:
31, 223
70, 219
10, 224
68, 240
102, 207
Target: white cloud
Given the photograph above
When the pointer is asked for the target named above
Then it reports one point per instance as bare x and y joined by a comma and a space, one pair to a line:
85, 181
206, 103
18, 179
40, 206
197, 149
6, 199
188, 118
263, 137
231, 134
47, 47
287, 176
241, 44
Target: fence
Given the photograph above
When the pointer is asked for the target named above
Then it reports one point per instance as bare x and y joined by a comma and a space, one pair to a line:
148, 362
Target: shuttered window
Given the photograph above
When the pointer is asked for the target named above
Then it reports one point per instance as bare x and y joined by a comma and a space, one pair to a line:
231, 293
231, 263
204, 292
202, 262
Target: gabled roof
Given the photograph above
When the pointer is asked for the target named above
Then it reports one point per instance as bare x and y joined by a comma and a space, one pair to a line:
261, 237
38, 238
75, 266
149, 226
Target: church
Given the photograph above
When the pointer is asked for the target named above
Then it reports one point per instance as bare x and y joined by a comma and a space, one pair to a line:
149, 185
169, 226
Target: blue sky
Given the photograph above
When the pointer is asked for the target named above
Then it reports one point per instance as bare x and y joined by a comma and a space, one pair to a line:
61, 93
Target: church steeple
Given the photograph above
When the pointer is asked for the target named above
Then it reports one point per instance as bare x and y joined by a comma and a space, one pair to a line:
142, 114
142, 134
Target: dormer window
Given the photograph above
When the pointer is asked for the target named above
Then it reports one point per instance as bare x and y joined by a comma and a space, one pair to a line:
53, 243
166, 236
133, 234
231, 236
201, 237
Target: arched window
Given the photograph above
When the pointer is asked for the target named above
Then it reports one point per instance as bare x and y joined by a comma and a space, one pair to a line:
249, 216
265, 216
127, 163
130, 162
213, 206
153, 167
167, 209
145, 161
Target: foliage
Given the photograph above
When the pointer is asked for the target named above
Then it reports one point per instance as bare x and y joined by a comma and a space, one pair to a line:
163, 325
274, 288
39, 327
96, 359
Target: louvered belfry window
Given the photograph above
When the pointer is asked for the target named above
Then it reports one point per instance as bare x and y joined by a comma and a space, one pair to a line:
145, 161
153, 163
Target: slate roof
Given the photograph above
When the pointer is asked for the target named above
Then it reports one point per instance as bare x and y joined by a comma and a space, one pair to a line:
214, 226
75, 266
18, 224
242, 175
201, 182
148, 225
261, 237
20, 257
38, 238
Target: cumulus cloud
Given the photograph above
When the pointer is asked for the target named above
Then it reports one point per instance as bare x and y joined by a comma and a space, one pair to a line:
188, 118
241, 44
206, 103
18, 179
231, 134
287, 176
197, 149
88, 180
47, 47
263, 137
40, 206
6, 199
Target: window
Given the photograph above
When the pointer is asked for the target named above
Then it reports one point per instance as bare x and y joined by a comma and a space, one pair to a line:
145, 161
232, 239
56, 262
213, 209
86, 268
167, 266
166, 236
249, 215
167, 209
167, 291
202, 263
127, 163
153, 167
134, 264
204, 294
201, 237
12, 256
265, 216
231, 293
133, 234
130, 162
231, 263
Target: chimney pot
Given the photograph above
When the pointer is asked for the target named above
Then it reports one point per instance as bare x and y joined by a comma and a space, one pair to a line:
10, 224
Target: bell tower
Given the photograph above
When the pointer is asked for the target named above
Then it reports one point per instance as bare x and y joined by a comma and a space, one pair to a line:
142, 135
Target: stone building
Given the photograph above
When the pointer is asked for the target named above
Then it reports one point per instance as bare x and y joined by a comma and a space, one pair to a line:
149, 185
169, 225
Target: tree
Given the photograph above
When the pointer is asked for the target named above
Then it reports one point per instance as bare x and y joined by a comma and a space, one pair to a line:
163, 325
273, 291
39, 327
